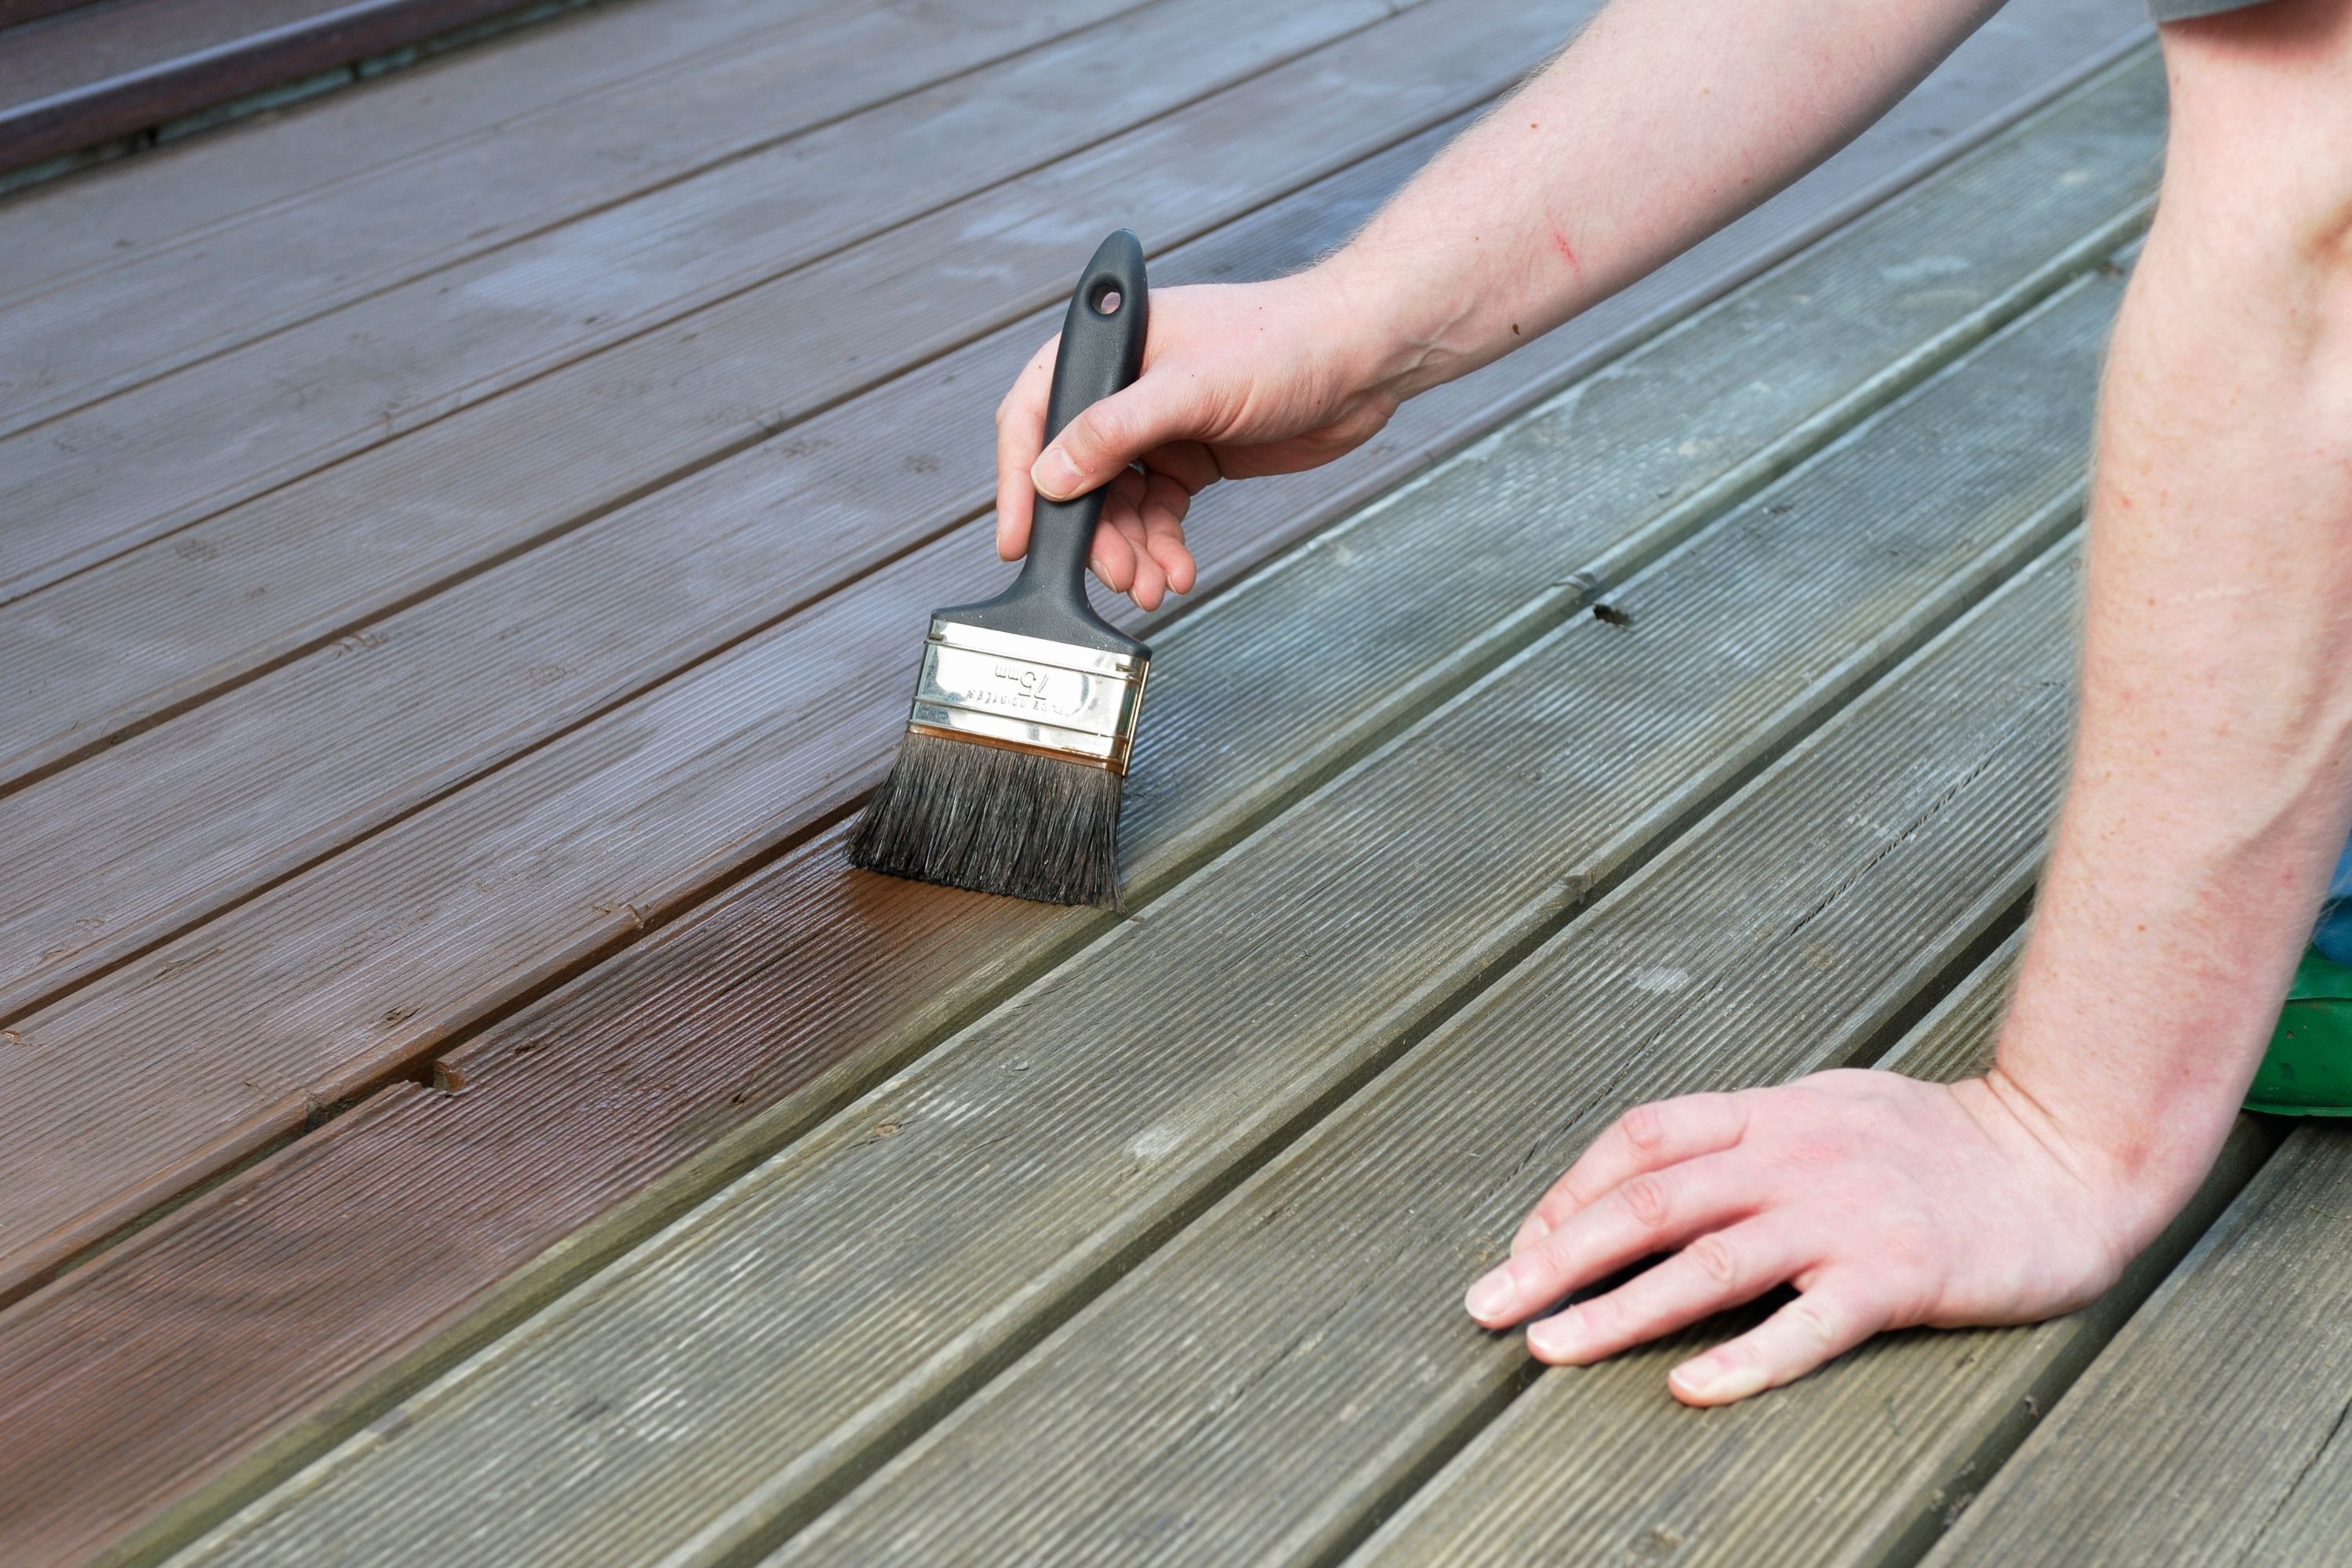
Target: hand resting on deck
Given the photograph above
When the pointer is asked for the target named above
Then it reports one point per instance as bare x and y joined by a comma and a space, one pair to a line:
1888, 1203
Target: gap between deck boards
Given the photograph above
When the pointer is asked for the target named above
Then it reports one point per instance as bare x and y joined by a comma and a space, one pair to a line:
1871, 395
1667, 825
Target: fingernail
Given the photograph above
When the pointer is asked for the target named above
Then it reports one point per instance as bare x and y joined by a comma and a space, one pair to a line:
1709, 1379
1491, 1297
1557, 1336
1055, 475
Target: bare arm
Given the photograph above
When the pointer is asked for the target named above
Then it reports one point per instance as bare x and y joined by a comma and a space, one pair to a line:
1665, 121
2211, 791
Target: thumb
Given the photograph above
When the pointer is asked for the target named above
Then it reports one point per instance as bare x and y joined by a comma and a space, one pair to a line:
1107, 437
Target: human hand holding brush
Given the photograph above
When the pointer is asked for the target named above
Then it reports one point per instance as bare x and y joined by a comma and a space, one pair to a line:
1579, 184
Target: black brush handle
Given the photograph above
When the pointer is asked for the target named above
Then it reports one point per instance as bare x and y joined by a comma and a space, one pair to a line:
1101, 352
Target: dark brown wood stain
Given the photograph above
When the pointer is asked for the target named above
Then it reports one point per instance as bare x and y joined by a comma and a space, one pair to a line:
98, 71
123, 1381
154, 1367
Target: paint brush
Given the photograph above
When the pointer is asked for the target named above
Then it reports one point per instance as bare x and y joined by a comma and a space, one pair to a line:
1008, 780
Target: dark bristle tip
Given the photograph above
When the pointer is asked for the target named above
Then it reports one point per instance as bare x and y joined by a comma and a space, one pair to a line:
971, 815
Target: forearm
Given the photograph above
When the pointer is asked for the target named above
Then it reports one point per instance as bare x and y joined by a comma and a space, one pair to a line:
1665, 120
2211, 787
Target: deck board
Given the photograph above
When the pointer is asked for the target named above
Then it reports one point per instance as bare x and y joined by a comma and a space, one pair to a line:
561, 856
2211, 1431
111, 69
1299, 1359
416, 717
122, 214
369, 727
712, 1029
229, 427
161, 628
1187, 1428
1862, 1464
1086, 1118
1040, 1152
588, 165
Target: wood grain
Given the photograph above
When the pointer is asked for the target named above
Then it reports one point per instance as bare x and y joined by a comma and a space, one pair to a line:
2211, 1431
477, 900
229, 427
121, 214
246, 789
1085, 1118
107, 70
1295, 1362
537, 1142
163, 626
170, 305
1861, 1464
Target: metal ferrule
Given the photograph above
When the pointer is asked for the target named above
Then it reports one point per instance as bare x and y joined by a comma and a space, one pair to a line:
1057, 700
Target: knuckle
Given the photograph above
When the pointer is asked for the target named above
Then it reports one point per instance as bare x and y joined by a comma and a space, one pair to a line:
1648, 1200
1103, 426
1644, 1128
1816, 1321
1714, 1256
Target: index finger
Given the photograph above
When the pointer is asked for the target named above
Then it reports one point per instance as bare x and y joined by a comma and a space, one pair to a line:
1020, 437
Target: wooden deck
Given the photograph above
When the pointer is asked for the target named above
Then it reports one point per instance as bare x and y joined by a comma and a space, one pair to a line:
463, 545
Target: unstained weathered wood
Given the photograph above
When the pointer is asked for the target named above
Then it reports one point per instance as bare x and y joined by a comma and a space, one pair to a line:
1301, 1357
1051, 1142
477, 900
709, 1011
1858, 1465
85, 339
2212, 1430
158, 628
193, 443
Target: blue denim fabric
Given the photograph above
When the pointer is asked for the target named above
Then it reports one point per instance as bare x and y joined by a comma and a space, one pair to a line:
2333, 935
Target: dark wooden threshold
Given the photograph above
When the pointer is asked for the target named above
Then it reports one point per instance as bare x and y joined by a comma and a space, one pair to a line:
76, 75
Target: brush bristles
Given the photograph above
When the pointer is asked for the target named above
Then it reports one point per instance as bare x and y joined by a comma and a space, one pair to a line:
996, 821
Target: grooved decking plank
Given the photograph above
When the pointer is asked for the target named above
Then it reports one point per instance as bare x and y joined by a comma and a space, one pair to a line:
118, 215
736, 1008
1300, 1355
109, 70
474, 903
2212, 1429
846, 1291
921, 212
1861, 1464
268, 777
91, 337
1295, 1361
154, 630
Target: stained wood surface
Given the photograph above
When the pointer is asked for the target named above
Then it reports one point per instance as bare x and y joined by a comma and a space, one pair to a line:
121, 214
99, 656
224, 430
106, 71
1863, 1463
467, 906
833, 665
2212, 1429
301, 258
1085, 1118
1218, 755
